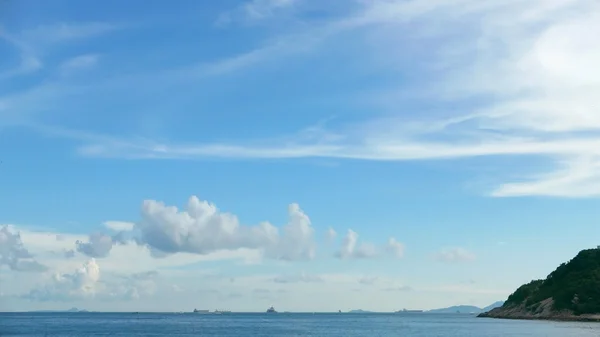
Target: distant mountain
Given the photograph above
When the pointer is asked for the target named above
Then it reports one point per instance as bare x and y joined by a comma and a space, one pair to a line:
466, 309
493, 306
457, 309
70, 310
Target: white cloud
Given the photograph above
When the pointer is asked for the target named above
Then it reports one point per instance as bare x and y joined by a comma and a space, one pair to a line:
30, 44
395, 248
99, 245
455, 254
64, 32
13, 253
331, 234
80, 284
255, 10
350, 249
119, 226
79, 62
539, 72
123, 258
85, 283
580, 177
259, 9
297, 240
28, 61
203, 229
155, 292
535, 79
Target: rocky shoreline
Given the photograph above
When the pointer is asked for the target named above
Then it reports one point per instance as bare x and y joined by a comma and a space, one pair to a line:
538, 311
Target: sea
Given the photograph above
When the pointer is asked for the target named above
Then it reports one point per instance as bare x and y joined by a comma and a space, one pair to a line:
282, 324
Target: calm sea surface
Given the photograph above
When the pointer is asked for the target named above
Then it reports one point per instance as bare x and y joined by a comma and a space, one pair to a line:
372, 325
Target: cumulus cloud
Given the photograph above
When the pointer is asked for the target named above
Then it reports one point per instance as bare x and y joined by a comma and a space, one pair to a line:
455, 254
330, 234
135, 286
350, 249
13, 253
395, 248
297, 240
99, 245
80, 284
202, 228
69, 253
85, 283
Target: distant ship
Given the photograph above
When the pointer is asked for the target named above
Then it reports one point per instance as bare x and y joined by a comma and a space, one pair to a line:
196, 311
271, 310
218, 312
409, 311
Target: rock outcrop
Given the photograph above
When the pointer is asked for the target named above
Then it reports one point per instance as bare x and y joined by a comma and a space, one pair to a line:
539, 311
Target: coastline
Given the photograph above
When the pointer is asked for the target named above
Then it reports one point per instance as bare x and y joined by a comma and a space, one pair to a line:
558, 318
542, 312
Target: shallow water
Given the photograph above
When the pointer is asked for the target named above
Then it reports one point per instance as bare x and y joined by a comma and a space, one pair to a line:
372, 325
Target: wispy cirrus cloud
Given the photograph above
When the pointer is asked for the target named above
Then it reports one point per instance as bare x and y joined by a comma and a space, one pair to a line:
528, 89
28, 61
66, 31
32, 44
79, 62
255, 10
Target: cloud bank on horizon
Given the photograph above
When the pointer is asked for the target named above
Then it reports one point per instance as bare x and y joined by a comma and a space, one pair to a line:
168, 239
513, 84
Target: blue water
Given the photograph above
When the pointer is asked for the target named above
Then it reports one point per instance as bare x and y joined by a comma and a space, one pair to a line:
371, 325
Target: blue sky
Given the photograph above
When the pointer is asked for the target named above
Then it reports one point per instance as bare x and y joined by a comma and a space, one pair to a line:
376, 154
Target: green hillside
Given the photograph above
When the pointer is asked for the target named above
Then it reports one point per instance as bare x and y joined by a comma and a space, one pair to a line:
573, 286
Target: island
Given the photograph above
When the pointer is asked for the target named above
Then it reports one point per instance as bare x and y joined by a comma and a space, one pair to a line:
465, 309
54, 311
569, 293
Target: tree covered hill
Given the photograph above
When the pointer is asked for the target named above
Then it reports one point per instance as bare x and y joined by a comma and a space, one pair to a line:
572, 289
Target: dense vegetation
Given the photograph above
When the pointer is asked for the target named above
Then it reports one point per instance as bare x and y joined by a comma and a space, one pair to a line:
573, 286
